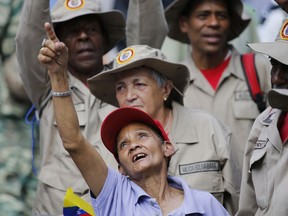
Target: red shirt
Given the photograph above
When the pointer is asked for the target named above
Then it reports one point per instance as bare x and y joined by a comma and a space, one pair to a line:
284, 129
214, 74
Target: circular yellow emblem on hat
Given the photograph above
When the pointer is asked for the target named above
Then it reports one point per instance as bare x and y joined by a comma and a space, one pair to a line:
284, 31
74, 4
125, 56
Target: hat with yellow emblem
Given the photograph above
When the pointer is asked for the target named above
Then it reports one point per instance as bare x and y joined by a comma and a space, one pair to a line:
278, 98
102, 84
113, 21
278, 49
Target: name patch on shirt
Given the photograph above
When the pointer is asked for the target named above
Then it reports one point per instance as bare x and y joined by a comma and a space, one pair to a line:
260, 144
205, 166
242, 95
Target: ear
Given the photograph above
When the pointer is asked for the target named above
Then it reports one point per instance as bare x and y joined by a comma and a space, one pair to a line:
183, 24
168, 149
121, 170
168, 88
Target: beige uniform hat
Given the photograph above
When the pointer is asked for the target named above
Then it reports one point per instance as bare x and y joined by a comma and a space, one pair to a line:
278, 49
113, 21
278, 98
235, 7
102, 84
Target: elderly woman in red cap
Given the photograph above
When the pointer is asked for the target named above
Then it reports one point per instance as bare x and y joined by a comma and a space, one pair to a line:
142, 78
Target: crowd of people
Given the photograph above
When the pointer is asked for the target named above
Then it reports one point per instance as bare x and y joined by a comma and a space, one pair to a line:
139, 133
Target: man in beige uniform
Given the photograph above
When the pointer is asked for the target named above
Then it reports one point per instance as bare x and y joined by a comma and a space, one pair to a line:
217, 82
89, 34
265, 178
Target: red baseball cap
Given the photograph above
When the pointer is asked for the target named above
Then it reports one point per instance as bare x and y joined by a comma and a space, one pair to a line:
120, 118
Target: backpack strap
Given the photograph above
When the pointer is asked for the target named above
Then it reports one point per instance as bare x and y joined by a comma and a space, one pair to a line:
252, 79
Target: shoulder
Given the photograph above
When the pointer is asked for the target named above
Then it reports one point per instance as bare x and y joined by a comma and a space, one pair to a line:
208, 203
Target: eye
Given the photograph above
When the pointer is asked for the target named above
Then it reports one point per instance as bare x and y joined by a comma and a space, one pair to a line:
202, 15
92, 30
140, 85
119, 87
223, 16
142, 135
122, 145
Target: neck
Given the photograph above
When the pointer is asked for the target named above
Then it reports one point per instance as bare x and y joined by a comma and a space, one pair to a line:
85, 74
206, 61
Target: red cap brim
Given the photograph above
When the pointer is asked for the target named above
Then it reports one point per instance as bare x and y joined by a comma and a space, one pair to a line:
120, 118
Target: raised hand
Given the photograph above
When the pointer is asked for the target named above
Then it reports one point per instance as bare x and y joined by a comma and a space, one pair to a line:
54, 53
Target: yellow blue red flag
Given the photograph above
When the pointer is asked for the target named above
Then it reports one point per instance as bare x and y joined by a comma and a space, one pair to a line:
75, 206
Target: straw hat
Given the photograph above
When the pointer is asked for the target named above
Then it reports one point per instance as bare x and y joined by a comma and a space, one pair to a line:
113, 21
102, 84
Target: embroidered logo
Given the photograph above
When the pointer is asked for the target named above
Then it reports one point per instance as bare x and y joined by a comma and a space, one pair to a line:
125, 56
74, 4
284, 31
260, 144
205, 166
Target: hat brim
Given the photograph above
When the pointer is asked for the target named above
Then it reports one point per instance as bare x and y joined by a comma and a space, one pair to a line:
102, 84
122, 117
278, 98
172, 13
276, 50
113, 22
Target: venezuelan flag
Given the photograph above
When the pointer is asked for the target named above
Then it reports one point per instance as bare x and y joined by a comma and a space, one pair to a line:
76, 206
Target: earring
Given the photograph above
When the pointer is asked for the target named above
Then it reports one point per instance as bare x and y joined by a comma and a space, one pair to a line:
165, 98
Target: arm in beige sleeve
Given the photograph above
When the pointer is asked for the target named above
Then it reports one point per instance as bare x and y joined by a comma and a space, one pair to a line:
146, 23
91, 165
29, 37
248, 204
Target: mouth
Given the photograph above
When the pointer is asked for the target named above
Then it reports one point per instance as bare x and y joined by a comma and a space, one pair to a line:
212, 38
138, 157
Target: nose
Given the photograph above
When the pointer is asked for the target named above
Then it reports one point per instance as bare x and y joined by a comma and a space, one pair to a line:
134, 146
131, 94
83, 35
213, 20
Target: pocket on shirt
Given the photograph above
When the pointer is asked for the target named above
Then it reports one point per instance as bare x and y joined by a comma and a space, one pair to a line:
258, 169
245, 109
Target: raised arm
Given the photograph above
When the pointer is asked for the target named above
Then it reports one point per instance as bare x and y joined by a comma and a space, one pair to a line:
29, 37
146, 23
54, 56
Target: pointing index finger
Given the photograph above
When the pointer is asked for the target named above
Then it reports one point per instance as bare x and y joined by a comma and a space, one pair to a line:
50, 32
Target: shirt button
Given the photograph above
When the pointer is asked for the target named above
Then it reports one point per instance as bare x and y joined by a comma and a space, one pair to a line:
157, 214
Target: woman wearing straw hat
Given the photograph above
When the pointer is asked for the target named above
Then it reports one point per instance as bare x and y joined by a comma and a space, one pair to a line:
141, 77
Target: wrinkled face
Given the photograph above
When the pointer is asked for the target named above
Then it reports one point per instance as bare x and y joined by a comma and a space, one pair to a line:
279, 75
140, 150
85, 40
138, 88
207, 26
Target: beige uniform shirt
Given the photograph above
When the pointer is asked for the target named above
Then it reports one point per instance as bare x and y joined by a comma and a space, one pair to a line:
58, 171
265, 178
203, 158
231, 102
